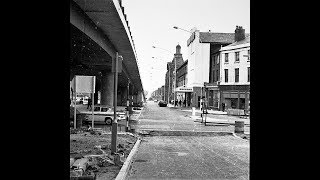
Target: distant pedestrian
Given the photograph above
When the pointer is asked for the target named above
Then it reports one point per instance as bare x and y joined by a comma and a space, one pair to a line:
223, 107
89, 103
180, 102
176, 103
184, 103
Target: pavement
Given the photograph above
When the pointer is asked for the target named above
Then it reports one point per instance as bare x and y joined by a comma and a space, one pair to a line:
191, 157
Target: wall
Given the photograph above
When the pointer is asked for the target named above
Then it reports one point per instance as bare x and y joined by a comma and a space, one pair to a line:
198, 62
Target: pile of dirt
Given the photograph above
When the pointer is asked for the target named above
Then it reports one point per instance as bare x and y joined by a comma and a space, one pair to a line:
90, 154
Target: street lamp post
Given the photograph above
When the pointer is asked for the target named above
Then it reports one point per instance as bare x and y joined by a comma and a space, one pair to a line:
175, 76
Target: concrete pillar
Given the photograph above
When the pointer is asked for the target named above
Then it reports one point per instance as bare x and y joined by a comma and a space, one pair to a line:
107, 88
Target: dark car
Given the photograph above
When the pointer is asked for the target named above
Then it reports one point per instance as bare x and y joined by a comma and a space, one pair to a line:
162, 103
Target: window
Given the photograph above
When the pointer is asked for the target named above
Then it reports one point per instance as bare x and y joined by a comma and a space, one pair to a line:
218, 59
248, 74
237, 57
218, 75
226, 57
214, 60
249, 55
226, 75
96, 108
236, 73
214, 75
104, 109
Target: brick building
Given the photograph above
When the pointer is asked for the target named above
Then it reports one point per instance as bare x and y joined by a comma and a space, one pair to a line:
170, 74
235, 75
204, 64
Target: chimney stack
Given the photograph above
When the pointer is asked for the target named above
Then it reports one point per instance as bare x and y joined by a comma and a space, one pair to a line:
239, 33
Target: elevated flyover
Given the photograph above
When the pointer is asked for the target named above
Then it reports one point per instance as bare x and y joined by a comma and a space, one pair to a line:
98, 30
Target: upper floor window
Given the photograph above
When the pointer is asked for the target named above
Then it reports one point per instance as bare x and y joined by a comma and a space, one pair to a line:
218, 59
226, 75
226, 57
236, 75
237, 59
248, 74
218, 75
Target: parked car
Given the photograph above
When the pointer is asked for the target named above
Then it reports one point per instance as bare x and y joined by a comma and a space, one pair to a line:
104, 115
162, 103
80, 117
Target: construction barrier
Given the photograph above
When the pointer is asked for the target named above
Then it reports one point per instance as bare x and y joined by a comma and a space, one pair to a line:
236, 112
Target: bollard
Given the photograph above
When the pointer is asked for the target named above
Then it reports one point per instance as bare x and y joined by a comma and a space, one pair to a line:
239, 127
193, 111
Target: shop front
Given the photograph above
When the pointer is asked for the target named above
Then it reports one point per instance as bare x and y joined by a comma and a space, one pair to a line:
237, 97
212, 95
185, 95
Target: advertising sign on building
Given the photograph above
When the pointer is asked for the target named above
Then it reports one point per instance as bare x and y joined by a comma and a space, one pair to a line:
184, 89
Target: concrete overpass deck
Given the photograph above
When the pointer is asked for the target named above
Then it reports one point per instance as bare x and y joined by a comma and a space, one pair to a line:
99, 30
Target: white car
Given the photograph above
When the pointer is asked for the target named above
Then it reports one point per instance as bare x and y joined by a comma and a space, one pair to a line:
104, 115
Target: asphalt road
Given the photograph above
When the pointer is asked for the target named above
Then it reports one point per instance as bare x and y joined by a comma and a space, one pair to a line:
154, 117
186, 157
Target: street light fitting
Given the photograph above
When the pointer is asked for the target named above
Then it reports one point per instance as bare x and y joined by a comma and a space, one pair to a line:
175, 27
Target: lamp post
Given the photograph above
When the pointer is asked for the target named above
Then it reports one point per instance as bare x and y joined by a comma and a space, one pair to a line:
175, 27
175, 76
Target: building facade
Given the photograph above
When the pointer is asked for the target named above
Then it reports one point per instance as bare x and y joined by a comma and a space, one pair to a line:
204, 64
235, 73
183, 92
170, 74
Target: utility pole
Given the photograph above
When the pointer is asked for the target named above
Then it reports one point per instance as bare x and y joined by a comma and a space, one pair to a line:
115, 90
175, 80
127, 122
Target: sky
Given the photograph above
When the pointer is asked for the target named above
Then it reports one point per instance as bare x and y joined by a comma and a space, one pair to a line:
151, 24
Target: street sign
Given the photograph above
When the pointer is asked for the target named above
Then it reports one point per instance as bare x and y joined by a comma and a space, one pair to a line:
85, 84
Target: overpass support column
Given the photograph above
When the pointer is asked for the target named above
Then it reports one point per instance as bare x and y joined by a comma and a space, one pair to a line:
107, 88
